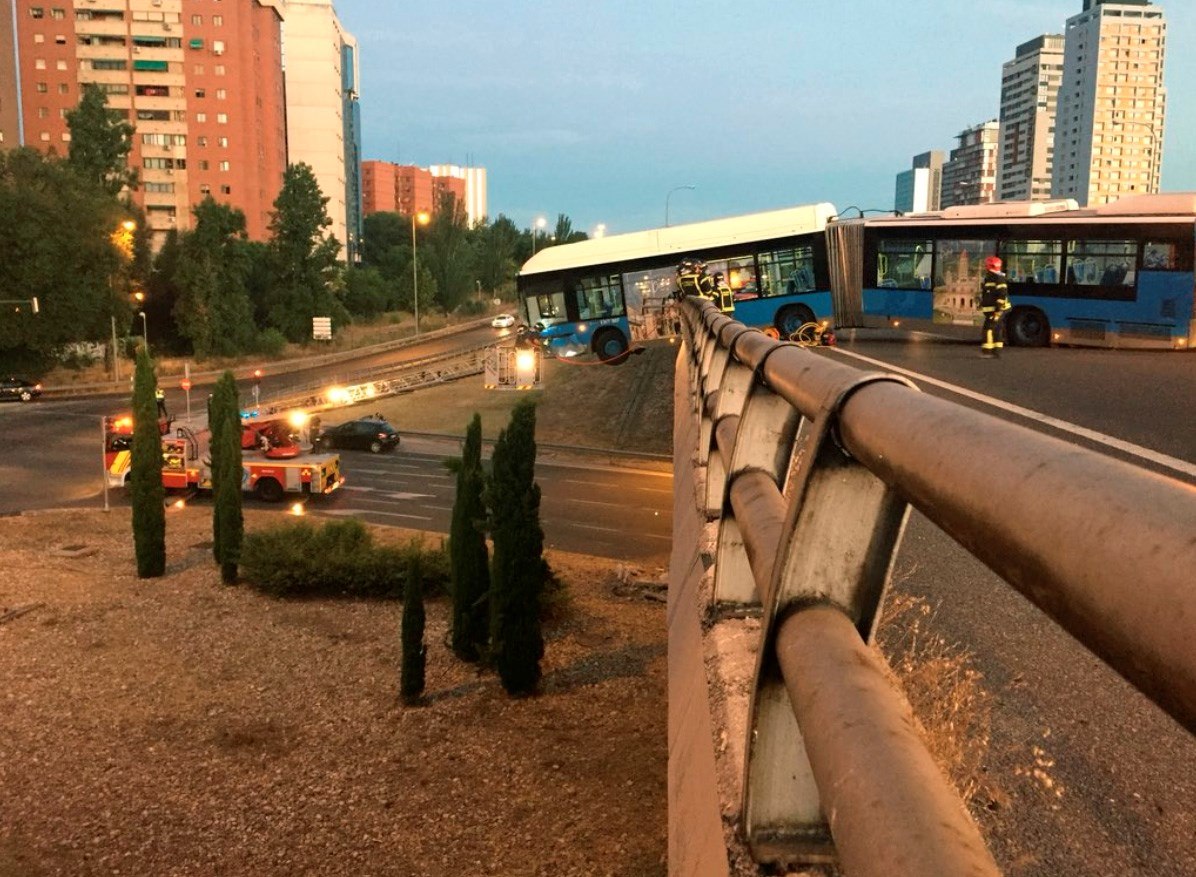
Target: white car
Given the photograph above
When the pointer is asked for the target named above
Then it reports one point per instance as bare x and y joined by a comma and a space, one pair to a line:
503, 321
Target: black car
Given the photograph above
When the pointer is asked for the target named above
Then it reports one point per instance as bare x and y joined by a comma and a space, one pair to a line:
18, 390
367, 434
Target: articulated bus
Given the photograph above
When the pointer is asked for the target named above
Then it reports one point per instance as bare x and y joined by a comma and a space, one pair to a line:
598, 296
1117, 275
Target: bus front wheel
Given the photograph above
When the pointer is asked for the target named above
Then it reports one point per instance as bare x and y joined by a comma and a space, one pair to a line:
1028, 327
611, 346
791, 317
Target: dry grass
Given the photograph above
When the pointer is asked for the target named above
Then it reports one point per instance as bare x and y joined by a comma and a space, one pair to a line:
945, 690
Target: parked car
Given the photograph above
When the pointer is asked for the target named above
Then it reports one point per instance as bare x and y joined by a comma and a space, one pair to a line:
503, 321
367, 434
18, 390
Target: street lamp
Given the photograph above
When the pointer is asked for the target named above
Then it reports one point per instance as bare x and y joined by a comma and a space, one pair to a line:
541, 222
144, 330
422, 218
666, 201
600, 230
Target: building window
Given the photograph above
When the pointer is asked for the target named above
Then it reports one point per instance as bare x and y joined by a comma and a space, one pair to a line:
42, 88
39, 38
60, 65
201, 117
219, 69
205, 189
60, 40
45, 136
39, 64
200, 92
222, 118
221, 94
43, 112
199, 69
224, 165
217, 47
218, 20
37, 12
222, 142
202, 141
58, 13
197, 19
226, 190
203, 164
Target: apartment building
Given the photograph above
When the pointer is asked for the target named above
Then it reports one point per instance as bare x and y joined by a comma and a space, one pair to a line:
1112, 103
970, 176
1029, 90
200, 80
323, 126
408, 189
919, 189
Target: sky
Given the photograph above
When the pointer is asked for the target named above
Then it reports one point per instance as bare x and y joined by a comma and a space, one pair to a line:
599, 109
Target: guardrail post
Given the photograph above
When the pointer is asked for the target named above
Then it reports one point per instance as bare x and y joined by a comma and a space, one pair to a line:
764, 440
837, 547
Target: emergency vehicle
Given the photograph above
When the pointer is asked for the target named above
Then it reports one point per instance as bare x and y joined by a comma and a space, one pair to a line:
273, 463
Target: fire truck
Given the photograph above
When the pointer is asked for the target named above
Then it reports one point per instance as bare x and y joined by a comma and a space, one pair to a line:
273, 462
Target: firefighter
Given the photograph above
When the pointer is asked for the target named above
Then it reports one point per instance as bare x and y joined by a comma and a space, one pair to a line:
723, 296
692, 279
160, 398
994, 302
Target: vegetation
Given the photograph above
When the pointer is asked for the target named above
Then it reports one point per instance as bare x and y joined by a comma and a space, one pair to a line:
146, 493
518, 570
228, 526
467, 551
415, 651
338, 558
100, 142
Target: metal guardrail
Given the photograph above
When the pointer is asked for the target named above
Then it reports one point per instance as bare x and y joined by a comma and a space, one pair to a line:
811, 468
278, 367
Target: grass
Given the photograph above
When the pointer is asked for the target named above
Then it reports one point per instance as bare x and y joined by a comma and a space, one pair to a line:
626, 407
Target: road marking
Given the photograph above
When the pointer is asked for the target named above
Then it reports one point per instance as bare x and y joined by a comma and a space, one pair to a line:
1063, 425
391, 473
617, 487
596, 527
344, 513
387, 493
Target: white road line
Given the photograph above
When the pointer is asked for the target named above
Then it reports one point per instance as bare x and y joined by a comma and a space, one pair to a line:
394, 477
344, 513
596, 527
1125, 447
619, 487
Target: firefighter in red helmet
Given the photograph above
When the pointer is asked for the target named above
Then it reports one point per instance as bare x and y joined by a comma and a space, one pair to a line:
994, 302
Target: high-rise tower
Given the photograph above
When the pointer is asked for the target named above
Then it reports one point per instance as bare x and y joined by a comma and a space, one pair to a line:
1029, 88
1112, 103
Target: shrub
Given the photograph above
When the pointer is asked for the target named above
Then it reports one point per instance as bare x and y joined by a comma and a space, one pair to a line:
338, 558
471, 307
271, 342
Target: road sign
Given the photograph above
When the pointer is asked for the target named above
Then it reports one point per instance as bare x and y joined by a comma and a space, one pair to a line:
185, 383
321, 328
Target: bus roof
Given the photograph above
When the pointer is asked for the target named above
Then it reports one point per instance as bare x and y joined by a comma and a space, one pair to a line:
1166, 207
681, 239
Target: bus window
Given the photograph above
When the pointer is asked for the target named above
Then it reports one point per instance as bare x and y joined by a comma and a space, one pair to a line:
1033, 262
599, 297
1101, 263
958, 268
542, 308
1160, 256
903, 264
787, 272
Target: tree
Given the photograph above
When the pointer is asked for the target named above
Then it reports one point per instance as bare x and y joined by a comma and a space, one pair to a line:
146, 492
518, 571
415, 652
445, 250
564, 233
367, 293
228, 525
213, 310
100, 142
495, 253
302, 257
58, 246
468, 556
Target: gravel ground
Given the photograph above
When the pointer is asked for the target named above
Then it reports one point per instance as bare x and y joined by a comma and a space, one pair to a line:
177, 726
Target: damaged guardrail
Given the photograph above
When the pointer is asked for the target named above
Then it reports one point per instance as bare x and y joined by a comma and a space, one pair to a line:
811, 469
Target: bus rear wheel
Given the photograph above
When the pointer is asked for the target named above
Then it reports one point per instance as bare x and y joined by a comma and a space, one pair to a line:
1028, 327
611, 346
791, 318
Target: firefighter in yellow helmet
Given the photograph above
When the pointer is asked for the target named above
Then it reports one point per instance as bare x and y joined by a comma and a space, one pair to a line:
994, 302
723, 296
692, 279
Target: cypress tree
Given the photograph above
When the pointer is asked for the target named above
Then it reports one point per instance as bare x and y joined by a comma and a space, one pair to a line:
415, 653
146, 492
468, 555
228, 525
518, 571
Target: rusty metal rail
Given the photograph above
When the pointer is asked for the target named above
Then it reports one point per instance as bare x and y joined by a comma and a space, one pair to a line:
811, 468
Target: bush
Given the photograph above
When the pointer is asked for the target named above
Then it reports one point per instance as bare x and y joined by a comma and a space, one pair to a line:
338, 558
471, 307
271, 342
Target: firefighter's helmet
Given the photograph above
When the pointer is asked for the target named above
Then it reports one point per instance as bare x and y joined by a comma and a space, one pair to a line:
992, 263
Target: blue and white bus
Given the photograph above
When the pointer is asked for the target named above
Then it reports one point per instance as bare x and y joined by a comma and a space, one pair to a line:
1116, 275
601, 295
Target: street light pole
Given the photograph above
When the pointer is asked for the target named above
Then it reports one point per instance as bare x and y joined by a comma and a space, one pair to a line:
423, 220
144, 330
670, 195
539, 224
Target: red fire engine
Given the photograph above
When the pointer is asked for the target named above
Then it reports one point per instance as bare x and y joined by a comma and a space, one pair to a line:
273, 463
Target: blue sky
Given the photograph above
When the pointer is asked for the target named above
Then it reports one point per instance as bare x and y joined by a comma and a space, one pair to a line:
597, 109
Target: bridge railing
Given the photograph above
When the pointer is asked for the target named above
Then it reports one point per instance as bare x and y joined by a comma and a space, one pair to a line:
811, 467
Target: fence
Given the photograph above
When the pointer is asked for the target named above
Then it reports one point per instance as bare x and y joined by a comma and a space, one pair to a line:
810, 469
